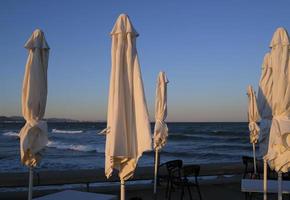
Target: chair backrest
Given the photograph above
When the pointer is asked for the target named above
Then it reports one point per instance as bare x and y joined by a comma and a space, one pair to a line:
174, 169
191, 170
249, 166
247, 160
173, 165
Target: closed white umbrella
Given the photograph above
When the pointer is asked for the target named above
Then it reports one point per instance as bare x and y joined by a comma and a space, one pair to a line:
33, 136
253, 117
160, 130
128, 127
264, 101
278, 155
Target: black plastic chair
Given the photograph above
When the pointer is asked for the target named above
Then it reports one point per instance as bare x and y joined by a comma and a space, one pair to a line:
250, 174
249, 171
173, 167
180, 179
187, 172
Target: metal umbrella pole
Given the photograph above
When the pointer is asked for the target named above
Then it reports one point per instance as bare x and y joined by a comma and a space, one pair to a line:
122, 195
155, 173
254, 157
30, 186
280, 186
265, 180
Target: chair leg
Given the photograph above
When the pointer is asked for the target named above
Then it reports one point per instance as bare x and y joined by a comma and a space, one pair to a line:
246, 196
170, 190
250, 195
199, 193
167, 189
182, 192
189, 192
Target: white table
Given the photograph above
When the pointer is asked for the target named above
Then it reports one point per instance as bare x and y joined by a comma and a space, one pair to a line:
76, 195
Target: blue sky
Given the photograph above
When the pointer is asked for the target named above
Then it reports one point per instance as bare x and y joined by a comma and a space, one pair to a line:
210, 50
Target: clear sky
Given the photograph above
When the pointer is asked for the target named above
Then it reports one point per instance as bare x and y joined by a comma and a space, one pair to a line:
210, 50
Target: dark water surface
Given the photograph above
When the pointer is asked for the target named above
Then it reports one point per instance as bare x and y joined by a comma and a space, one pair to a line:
78, 146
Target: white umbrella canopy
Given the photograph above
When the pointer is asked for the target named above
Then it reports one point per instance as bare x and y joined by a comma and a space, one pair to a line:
33, 136
253, 115
278, 155
160, 129
128, 127
264, 101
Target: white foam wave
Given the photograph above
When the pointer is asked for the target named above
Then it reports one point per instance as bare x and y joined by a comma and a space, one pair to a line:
74, 147
100, 149
11, 134
66, 131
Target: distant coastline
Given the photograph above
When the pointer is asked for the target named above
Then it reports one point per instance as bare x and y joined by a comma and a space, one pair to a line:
19, 119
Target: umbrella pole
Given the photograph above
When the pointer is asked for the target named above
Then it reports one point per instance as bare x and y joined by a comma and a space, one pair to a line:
254, 157
280, 186
122, 195
265, 179
155, 172
30, 183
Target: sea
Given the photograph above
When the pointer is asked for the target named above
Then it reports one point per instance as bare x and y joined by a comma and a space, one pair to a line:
77, 145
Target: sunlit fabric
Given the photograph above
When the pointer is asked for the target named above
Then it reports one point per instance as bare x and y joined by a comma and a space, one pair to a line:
33, 136
264, 101
253, 115
278, 155
128, 128
160, 129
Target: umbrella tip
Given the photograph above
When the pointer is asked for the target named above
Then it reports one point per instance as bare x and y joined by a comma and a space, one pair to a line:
249, 89
280, 37
281, 28
38, 31
124, 25
123, 15
162, 77
37, 40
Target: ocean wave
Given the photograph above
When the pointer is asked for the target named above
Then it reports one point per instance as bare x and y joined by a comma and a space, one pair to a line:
203, 155
11, 134
222, 148
176, 154
208, 137
180, 136
228, 133
73, 147
66, 131
222, 155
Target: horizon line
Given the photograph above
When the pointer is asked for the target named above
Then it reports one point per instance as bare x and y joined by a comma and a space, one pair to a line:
105, 121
